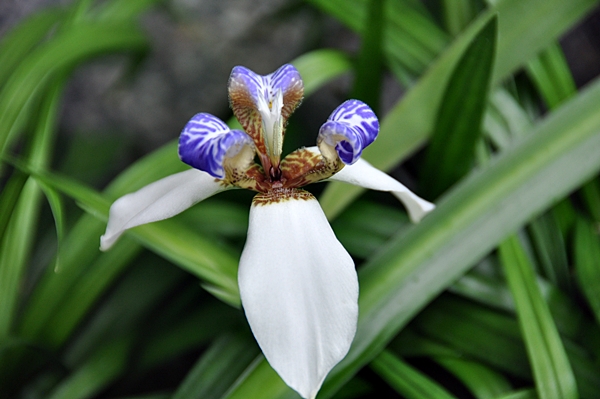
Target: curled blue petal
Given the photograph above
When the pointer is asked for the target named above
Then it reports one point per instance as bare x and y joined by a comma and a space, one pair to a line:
350, 129
206, 142
264, 88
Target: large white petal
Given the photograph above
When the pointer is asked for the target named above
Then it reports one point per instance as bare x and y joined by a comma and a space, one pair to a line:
299, 291
366, 175
157, 201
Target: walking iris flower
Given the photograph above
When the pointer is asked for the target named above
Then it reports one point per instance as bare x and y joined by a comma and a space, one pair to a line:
298, 285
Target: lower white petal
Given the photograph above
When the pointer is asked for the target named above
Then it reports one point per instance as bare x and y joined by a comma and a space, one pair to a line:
299, 290
157, 201
366, 175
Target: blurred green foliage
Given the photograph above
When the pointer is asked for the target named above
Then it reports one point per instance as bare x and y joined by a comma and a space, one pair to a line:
496, 294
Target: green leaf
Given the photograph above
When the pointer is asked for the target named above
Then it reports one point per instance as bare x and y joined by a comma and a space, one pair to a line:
192, 331
457, 15
116, 10
103, 367
473, 332
365, 226
551, 75
587, 264
551, 368
482, 381
20, 231
55, 202
521, 394
367, 80
591, 196
550, 248
66, 49
407, 381
15, 249
526, 27
20, 41
457, 128
228, 356
411, 38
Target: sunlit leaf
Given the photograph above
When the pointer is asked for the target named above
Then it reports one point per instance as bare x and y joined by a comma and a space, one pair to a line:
551, 368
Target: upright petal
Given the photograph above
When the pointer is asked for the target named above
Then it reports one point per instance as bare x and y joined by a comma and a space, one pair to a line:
157, 201
299, 288
206, 143
349, 130
263, 104
366, 175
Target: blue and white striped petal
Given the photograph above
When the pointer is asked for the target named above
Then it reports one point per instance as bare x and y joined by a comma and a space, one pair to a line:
349, 130
206, 143
263, 104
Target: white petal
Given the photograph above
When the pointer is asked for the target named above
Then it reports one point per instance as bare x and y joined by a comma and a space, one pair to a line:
299, 291
366, 175
157, 201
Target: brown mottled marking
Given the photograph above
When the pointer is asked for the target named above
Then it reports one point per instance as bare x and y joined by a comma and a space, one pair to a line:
281, 194
303, 167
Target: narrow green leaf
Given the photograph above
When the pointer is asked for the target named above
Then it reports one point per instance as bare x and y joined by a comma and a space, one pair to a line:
116, 10
55, 284
551, 368
67, 48
526, 27
367, 80
551, 75
551, 251
93, 376
457, 128
59, 325
476, 332
457, 15
9, 198
190, 332
407, 381
124, 314
365, 226
482, 381
411, 39
17, 240
55, 202
587, 264
521, 394
259, 380
228, 356
591, 196
15, 249
17, 43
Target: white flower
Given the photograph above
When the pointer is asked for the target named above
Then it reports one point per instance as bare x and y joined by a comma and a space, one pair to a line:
298, 285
